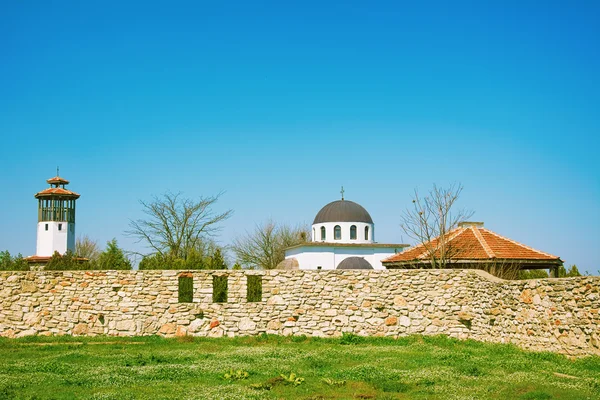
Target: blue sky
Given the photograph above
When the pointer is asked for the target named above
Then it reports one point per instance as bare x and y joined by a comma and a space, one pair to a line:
279, 104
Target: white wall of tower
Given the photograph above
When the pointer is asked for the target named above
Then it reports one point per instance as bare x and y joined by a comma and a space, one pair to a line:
55, 236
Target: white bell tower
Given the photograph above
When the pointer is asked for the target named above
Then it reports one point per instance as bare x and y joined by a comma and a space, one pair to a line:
56, 218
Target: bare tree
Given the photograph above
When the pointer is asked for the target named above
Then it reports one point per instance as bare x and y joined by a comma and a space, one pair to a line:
87, 248
431, 220
174, 226
265, 246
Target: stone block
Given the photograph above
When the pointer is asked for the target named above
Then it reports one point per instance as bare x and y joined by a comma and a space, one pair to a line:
246, 324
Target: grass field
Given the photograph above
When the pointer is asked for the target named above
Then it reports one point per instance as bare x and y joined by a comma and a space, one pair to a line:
251, 368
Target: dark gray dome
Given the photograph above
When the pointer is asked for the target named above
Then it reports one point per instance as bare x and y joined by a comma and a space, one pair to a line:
343, 211
354, 263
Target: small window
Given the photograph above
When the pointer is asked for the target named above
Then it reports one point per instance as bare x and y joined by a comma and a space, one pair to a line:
60, 227
319, 267
186, 289
322, 233
254, 288
337, 232
353, 232
46, 226
366, 233
219, 289
314, 234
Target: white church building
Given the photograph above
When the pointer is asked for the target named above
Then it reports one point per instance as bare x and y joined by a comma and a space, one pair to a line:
343, 237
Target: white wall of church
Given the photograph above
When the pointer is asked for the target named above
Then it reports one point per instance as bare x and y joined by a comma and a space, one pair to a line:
329, 257
54, 239
345, 230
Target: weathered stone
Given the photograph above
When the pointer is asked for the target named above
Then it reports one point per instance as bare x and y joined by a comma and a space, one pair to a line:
465, 316
246, 324
28, 332
340, 320
125, 325
526, 296
404, 320
389, 321
196, 325
81, 329
167, 329
274, 325
275, 300
28, 287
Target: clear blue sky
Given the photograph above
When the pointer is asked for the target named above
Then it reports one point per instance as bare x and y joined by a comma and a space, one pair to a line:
280, 104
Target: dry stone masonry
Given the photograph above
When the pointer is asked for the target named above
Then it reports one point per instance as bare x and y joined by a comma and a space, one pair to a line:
560, 315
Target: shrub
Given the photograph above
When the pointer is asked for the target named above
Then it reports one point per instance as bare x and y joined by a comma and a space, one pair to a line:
186, 289
113, 257
195, 260
66, 262
350, 338
254, 288
219, 289
9, 263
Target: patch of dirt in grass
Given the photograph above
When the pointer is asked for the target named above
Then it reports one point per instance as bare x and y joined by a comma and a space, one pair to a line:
77, 343
564, 375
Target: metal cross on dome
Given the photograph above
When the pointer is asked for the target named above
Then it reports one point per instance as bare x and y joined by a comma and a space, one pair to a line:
342, 192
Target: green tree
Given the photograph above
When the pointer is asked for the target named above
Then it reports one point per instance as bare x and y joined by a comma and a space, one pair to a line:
572, 272
10, 263
532, 274
113, 257
65, 262
217, 261
196, 259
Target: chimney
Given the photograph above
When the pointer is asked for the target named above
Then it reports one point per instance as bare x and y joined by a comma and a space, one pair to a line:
469, 224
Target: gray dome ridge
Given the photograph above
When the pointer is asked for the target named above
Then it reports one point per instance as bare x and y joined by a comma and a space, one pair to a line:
354, 263
343, 211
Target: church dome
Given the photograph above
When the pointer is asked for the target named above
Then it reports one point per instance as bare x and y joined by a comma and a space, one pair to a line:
354, 263
343, 211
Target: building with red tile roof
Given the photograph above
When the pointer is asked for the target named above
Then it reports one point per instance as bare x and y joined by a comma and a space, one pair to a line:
470, 245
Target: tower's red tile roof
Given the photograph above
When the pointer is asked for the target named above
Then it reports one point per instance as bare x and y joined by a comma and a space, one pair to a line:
58, 180
56, 192
57, 189
473, 243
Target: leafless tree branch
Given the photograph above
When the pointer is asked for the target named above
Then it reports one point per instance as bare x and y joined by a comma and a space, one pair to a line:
174, 226
264, 247
430, 221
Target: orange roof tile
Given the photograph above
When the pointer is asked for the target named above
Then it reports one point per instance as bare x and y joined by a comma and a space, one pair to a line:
58, 180
56, 191
473, 243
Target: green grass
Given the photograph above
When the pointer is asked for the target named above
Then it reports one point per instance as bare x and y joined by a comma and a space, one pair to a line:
351, 368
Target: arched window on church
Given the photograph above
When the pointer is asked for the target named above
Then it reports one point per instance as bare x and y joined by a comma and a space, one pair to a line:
337, 232
314, 237
353, 232
322, 233
366, 233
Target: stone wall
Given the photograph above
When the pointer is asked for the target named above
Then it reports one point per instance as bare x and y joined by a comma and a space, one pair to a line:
551, 314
